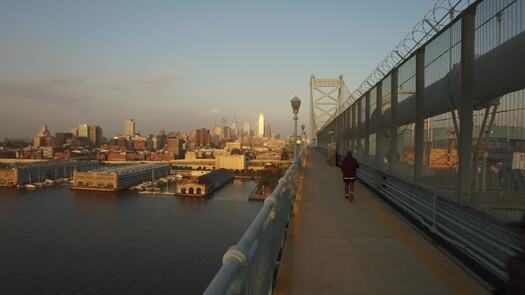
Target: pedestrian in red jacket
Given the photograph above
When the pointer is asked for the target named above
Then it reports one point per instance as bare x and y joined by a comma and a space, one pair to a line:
349, 167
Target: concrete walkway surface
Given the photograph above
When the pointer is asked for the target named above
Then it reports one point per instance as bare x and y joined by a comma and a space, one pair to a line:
364, 247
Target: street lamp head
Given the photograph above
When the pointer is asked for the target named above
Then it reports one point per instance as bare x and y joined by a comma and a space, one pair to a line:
296, 104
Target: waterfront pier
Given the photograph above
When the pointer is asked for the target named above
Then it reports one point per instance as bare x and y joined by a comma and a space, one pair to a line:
115, 178
206, 184
16, 174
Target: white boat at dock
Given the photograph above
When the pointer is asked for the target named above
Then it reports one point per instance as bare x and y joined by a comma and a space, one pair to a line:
30, 186
49, 182
156, 193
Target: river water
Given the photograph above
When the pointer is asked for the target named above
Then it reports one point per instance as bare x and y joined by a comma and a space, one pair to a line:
58, 241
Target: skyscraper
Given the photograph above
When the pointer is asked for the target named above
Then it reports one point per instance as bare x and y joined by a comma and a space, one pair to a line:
203, 137
43, 138
174, 146
83, 130
234, 129
261, 125
95, 135
218, 130
129, 127
247, 129
268, 131
62, 138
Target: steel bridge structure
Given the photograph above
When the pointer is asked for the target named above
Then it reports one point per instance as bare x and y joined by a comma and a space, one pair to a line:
438, 129
441, 131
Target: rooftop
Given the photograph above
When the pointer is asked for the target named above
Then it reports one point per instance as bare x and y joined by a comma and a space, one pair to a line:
124, 169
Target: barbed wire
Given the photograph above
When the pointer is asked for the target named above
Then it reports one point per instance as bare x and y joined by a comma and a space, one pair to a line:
443, 12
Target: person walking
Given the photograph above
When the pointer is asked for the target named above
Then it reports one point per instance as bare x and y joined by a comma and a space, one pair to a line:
349, 167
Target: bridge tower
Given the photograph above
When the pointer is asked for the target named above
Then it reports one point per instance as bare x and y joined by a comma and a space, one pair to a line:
326, 100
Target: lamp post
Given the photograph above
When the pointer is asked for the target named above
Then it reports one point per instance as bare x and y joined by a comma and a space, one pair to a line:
331, 148
296, 104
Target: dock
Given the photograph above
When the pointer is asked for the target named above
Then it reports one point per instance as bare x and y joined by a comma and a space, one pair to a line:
206, 184
116, 178
156, 193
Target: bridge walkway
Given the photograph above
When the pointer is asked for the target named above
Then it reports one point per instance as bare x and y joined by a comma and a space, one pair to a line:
364, 247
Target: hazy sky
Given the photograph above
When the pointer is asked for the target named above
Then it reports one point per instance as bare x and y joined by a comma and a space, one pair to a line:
182, 64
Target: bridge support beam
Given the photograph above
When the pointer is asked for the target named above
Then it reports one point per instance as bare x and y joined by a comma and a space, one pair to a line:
466, 104
420, 114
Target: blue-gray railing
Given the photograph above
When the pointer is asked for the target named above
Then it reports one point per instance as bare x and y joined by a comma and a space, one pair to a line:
250, 266
479, 236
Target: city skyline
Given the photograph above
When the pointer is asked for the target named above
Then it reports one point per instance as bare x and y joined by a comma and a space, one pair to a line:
122, 129
170, 63
129, 129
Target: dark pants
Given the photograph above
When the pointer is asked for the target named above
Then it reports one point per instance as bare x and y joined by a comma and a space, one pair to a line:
349, 184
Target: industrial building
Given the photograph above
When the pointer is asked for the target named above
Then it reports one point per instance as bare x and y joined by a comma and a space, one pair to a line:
206, 184
20, 174
117, 178
231, 162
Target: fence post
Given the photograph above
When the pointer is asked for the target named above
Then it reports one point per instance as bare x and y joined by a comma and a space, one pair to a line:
394, 156
354, 129
379, 126
359, 130
466, 104
348, 130
420, 113
367, 127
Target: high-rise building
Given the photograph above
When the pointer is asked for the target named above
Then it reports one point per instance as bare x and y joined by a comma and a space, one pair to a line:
218, 130
174, 146
149, 142
43, 138
227, 132
157, 142
44, 131
62, 138
203, 137
129, 127
83, 130
261, 125
74, 131
268, 131
234, 127
95, 135
247, 130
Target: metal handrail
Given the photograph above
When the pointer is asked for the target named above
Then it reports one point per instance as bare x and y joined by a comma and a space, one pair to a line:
454, 223
249, 267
